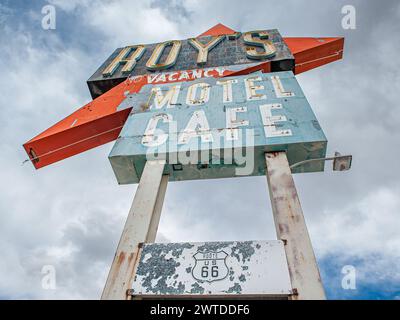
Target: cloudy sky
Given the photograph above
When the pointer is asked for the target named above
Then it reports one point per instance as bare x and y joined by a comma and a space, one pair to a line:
70, 215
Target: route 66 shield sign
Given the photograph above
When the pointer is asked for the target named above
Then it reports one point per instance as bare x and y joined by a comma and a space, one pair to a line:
201, 269
210, 266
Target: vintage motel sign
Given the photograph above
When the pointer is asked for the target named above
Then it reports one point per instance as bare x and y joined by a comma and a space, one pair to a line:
216, 119
247, 268
204, 51
213, 95
100, 121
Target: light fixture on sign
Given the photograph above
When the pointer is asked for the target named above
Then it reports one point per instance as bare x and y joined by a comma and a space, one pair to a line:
342, 163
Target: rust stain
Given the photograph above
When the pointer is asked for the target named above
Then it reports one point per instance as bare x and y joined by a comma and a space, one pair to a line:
131, 257
272, 154
121, 258
115, 269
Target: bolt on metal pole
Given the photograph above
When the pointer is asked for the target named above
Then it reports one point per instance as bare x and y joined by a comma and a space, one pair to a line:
291, 228
141, 226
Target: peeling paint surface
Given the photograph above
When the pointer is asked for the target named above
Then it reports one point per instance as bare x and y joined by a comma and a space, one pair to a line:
249, 117
212, 268
227, 52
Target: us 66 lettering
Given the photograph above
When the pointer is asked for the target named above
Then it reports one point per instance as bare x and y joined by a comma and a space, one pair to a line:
210, 266
206, 269
220, 309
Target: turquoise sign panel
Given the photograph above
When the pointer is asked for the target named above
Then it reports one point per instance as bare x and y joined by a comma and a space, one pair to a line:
218, 127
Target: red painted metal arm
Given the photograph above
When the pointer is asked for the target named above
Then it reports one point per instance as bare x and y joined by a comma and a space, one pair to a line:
310, 53
96, 123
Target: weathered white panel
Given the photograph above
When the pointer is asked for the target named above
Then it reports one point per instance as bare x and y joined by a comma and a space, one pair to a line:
212, 268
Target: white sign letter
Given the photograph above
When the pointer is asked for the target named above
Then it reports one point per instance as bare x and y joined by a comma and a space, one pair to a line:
170, 98
150, 138
192, 93
197, 127
203, 49
262, 41
232, 123
227, 95
251, 89
154, 61
278, 87
123, 58
269, 121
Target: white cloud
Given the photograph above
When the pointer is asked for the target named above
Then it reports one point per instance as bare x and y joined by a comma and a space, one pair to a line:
51, 216
363, 233
362, 227
125, 21
70, 5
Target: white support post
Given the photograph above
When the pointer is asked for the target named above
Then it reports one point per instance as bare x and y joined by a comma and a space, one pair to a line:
291, 228
141, 226
155, 219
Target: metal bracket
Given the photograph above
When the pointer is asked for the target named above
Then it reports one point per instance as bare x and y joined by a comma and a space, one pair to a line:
340, 163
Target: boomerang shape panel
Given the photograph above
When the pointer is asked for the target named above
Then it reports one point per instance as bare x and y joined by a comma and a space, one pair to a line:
100, 121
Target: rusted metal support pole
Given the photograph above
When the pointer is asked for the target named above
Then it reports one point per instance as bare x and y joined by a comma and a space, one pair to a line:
141, 226
291, 228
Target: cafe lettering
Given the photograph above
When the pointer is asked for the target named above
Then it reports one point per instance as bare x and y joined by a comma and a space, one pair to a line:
207, 117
